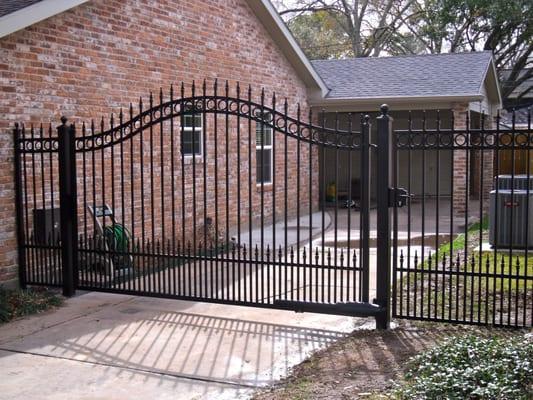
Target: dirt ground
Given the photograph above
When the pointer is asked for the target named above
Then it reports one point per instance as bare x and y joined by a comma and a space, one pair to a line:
364, 365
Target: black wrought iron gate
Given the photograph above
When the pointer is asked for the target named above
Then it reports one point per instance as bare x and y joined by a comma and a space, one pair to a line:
213, 197
224, 197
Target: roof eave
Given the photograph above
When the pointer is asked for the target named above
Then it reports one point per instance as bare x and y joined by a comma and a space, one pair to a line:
32, 14
344, 101
493, 74
277, 29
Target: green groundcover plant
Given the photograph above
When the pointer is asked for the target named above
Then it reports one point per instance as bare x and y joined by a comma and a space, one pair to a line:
472, 367
17, 303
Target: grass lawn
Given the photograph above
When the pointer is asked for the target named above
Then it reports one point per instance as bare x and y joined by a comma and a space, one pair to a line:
470, 285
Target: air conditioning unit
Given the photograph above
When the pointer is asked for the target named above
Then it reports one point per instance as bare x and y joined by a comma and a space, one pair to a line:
517, 182
509, 218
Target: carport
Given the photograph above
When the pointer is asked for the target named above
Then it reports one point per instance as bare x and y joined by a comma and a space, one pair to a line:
454, 88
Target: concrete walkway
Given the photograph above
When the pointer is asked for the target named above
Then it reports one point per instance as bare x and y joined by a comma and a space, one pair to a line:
297, 231
103, 346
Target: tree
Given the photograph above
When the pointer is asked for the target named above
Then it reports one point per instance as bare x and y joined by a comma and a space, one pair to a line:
362, 28
320, 35
357, 28
501, 26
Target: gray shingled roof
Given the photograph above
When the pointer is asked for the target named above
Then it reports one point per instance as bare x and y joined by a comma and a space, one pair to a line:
458, 74
10, 6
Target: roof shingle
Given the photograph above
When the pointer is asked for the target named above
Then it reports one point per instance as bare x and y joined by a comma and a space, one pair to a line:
451, 74
10, 6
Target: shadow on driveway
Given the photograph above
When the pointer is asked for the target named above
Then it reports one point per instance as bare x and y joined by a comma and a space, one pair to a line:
113, 346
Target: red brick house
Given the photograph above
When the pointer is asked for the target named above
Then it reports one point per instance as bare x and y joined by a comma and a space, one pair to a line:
87, 58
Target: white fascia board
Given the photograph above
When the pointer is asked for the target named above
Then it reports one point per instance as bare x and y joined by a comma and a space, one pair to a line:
32, 14
272, 21
495, 80
395, 100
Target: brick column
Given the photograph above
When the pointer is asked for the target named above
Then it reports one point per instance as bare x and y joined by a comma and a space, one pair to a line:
460, 183
487, 175
482, 168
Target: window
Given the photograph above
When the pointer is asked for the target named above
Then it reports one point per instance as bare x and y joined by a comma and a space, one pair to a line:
263, 150
191, 135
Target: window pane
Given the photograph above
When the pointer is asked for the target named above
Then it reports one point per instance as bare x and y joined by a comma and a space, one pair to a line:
188, 121
186, 142
263, 130
266, 134
264, 165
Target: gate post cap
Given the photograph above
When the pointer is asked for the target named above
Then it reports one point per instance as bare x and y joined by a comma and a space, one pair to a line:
384, 109
64, 120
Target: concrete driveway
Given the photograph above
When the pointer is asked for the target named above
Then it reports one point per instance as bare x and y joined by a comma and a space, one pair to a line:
104, 346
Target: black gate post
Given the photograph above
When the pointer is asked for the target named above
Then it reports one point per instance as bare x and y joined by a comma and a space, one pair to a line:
68, 206
383, 218
21, 241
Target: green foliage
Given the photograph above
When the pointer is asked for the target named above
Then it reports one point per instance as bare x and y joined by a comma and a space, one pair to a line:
459, 242
17, 303
471, 367
483, 225
320, 35
473, 25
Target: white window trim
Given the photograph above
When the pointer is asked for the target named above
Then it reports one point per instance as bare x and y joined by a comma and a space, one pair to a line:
266, 147
196, 129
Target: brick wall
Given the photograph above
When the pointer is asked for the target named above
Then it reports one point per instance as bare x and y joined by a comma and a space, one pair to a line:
100, 56
460, 164
469, 165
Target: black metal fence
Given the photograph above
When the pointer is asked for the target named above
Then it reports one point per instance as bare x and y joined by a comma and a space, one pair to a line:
464, 256
220, 195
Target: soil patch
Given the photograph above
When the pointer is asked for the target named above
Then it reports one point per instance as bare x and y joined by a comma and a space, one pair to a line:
364, 364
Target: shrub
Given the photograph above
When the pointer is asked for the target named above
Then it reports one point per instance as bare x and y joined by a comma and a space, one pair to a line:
471, 367
17, 303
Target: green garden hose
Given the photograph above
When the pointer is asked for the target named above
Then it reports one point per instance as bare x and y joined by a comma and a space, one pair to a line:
118, 237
